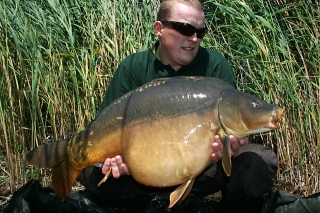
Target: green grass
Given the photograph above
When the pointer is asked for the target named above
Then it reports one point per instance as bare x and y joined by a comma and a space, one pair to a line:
57, 57
274, 49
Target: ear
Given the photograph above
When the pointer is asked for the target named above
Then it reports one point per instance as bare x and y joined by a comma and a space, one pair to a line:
157, 27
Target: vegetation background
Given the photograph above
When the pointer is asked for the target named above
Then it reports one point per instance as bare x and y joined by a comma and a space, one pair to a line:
57, 57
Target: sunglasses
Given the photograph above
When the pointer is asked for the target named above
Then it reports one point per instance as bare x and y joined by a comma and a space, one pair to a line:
185, 28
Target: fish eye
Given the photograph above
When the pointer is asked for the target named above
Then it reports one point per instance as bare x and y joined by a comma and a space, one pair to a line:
255, 104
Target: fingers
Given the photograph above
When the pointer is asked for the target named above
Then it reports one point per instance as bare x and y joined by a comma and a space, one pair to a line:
116, 165
106, 166
125, 169
122, 166
216, 153
244, 141
217, 139
235, 145
216, 149
116, 173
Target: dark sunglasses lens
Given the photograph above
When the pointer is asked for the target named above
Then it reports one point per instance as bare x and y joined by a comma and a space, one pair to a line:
189, 30
201, 33
185, 29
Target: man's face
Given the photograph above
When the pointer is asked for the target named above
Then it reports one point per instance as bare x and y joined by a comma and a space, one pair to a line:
177, 49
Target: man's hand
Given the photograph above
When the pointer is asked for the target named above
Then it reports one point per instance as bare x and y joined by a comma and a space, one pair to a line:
117, 166
235, 145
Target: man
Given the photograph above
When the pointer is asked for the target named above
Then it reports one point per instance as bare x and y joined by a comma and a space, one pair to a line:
180, 27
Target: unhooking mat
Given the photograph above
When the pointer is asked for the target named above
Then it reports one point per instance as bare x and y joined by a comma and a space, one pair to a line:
33, 198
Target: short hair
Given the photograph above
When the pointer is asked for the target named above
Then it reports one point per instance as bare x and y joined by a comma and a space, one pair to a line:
166, 6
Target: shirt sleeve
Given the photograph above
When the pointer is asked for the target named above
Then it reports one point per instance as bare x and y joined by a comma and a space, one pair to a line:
219, 67
121, 83
225, 73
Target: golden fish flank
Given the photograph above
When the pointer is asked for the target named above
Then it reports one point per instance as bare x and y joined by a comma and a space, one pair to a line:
174, 119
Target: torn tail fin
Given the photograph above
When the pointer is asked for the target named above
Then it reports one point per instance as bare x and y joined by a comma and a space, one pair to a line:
54, 155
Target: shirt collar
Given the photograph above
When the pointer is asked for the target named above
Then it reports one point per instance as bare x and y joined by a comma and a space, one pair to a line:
156, 50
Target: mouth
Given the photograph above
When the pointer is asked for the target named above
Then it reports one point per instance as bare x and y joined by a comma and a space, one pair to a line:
274, 122
188, 48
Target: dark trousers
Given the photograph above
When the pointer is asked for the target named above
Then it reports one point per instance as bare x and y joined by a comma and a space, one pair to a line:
253, 173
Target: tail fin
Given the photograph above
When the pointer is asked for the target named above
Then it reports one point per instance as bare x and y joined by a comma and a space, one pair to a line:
63, 177
49, 154
54, 155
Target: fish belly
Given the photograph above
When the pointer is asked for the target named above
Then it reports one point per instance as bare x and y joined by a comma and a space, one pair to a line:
168, 152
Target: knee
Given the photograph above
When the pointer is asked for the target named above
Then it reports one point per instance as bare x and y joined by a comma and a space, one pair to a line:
259, 156
254, 170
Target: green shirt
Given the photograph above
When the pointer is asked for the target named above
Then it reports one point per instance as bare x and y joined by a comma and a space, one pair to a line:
142, 67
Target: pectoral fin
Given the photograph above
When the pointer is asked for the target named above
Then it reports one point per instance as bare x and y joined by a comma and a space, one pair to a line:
226, 156
181, 192
226, 152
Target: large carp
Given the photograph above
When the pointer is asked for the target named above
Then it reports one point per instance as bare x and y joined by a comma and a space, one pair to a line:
163, 130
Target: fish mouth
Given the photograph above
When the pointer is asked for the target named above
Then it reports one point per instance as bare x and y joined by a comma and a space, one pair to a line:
274, 122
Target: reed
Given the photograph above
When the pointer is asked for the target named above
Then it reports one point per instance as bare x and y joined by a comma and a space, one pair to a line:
274, 49
57, 57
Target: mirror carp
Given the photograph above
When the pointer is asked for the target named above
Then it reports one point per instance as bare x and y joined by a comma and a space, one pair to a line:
163, 130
